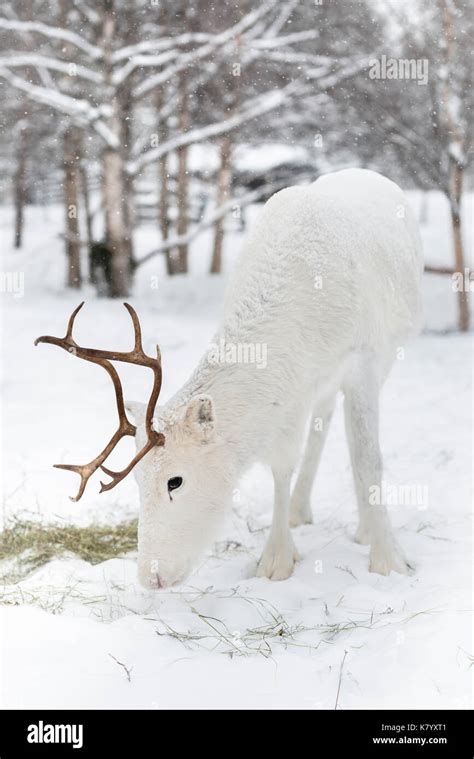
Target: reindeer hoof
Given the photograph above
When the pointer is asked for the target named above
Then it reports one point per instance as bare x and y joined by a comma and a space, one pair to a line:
386, 559
277, 562
300, 514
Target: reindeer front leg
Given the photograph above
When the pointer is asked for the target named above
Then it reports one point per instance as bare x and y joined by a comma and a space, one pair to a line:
279, 555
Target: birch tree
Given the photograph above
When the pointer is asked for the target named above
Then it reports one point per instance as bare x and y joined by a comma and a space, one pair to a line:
103, 68
110, 77
423, 130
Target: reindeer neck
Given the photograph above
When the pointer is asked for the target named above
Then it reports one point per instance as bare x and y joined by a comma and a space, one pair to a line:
235, 387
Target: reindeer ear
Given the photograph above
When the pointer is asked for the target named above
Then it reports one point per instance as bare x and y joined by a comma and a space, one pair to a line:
137, 411
200, 418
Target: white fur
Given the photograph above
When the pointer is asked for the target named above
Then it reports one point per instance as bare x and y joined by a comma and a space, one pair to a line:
329, 281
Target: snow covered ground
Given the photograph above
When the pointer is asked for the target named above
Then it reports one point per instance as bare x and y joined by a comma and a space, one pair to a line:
76, 635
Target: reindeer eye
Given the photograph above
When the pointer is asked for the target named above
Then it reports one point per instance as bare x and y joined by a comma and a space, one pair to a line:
174, 483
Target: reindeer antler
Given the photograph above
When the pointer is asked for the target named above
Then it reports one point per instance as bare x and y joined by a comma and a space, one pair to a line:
125, 427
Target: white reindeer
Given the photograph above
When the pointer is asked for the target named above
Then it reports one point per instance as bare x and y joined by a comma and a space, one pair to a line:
329, 282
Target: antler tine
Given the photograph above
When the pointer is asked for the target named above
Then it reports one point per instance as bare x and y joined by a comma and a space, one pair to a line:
118, 476
103, 358
138, 348
67, 341
153, 438
94, 357
83, 473
70, 323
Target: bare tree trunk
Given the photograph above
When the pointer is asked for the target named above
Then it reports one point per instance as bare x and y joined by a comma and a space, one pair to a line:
163, 182
456, 150
87, 203
233, 87
223, 193
71, 179
71, 162
129, 216
180, 262
126, 121
20, 186
115, 192
88, 219
455, 207
164, 208
114, 222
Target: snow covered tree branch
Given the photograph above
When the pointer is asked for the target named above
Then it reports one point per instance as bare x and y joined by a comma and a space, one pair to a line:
53, 33
79, 110
252, 109
54, 64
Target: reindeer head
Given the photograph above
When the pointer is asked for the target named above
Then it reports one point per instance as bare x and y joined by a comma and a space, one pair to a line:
184, 487
183, 480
